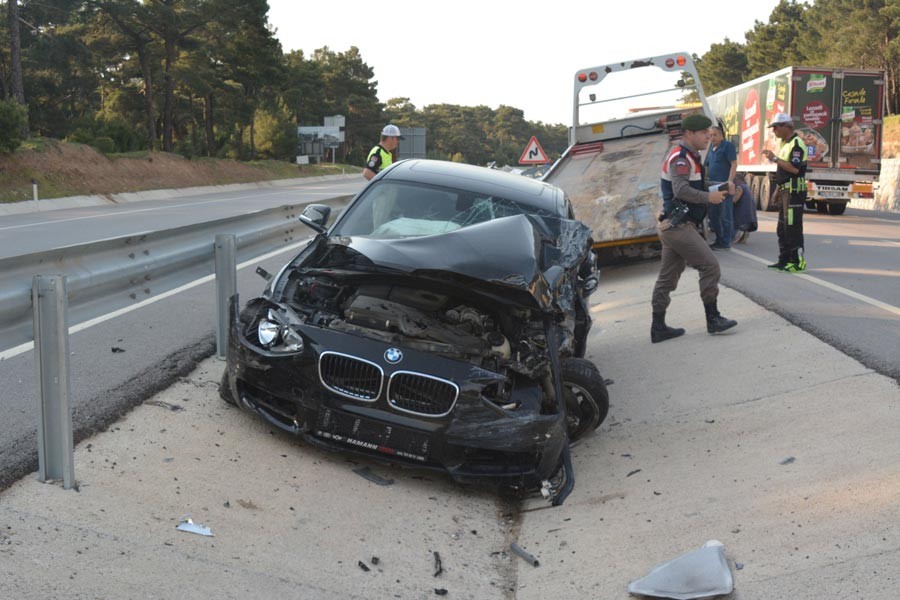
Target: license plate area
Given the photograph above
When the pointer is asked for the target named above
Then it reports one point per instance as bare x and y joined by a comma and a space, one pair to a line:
373, 435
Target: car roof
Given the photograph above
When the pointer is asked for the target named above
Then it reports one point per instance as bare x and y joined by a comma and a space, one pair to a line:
478, 179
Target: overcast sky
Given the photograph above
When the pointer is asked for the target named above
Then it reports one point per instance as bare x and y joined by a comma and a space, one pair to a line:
522, 54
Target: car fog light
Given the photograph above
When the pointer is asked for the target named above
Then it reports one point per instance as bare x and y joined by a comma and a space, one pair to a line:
267, 331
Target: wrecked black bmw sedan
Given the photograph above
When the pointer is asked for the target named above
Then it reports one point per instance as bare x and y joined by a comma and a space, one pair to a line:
441, 322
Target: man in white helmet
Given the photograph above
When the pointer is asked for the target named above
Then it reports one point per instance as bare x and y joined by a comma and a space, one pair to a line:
380, 156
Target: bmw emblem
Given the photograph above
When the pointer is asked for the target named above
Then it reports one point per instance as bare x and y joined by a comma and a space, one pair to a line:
393, 355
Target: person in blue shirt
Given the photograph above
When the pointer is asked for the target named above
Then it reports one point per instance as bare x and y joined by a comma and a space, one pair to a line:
721, 164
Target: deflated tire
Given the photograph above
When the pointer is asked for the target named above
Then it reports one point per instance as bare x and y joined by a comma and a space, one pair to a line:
587, 400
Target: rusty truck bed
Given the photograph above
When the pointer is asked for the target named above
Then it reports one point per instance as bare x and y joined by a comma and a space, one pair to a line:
614, 187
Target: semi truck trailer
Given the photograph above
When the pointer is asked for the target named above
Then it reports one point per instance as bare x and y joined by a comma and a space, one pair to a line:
837, 112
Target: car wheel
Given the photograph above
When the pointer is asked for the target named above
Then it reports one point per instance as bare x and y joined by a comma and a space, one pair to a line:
821, 207
587, 400
836, 208
225, 389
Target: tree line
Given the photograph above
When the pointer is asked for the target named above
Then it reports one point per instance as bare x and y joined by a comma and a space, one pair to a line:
209, 78
862, 34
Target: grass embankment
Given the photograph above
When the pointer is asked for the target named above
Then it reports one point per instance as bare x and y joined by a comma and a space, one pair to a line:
62, 169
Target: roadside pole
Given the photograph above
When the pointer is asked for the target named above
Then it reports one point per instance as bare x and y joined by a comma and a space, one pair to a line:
226, 287
51, 345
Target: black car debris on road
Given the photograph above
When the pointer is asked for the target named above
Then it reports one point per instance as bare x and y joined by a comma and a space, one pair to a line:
440, 322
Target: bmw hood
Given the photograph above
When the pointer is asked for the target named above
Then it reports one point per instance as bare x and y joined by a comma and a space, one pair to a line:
522, 255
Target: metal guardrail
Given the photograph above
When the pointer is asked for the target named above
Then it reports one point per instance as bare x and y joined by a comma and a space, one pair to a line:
42, 293
108, 275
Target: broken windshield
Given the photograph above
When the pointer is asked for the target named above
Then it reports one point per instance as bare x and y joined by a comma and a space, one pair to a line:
392, 209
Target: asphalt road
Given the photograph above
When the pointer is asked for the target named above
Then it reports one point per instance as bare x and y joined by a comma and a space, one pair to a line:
37, 231
849, 296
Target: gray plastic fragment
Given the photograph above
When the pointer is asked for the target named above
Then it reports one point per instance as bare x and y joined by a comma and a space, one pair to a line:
190, 527
700, 573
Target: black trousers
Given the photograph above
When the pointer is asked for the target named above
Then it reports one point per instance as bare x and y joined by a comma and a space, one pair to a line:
790, 225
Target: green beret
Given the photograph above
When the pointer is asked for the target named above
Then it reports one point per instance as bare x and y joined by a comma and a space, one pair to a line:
696, 122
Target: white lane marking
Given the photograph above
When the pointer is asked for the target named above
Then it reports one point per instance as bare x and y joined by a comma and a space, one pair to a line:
22, 348
826, 284
164, 207
873, 243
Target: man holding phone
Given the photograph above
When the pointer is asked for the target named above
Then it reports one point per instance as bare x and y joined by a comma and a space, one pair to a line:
721, 160
685, 200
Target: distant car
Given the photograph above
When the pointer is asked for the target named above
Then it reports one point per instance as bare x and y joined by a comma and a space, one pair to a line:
439, 322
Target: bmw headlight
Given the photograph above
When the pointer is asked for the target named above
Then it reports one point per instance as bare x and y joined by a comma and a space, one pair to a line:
268, 331
276, 337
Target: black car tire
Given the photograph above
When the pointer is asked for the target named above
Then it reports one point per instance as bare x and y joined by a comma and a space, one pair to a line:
836, 208
587, 400
225, 389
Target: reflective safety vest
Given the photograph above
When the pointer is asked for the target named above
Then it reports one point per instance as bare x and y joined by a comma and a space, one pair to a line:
792, 151
696, 179
379, 159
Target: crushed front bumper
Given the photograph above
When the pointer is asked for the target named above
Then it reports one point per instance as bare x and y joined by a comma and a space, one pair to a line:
342, 393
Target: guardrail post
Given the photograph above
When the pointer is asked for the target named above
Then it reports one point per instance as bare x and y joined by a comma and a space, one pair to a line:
226, 287
51, 346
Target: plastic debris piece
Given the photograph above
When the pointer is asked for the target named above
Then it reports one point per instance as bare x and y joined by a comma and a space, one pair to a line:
375, 560
525, 555
738, 566
440, 592
365, 473
117, 350
189, 526
635, 472
788, 460
438, 566
700, 573
363, 566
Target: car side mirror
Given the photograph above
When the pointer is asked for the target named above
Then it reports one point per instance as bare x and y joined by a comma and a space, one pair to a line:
316, 215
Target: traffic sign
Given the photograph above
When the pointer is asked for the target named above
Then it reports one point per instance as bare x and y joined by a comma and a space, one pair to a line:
533, 154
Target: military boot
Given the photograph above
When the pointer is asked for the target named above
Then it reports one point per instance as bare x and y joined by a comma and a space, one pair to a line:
660, 332
715, 322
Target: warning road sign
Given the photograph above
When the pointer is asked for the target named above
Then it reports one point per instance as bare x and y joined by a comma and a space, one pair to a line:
533, 154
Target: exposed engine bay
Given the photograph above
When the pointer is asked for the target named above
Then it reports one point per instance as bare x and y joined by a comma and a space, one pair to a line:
509, 340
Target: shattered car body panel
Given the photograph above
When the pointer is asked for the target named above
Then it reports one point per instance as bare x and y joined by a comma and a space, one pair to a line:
439, 350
